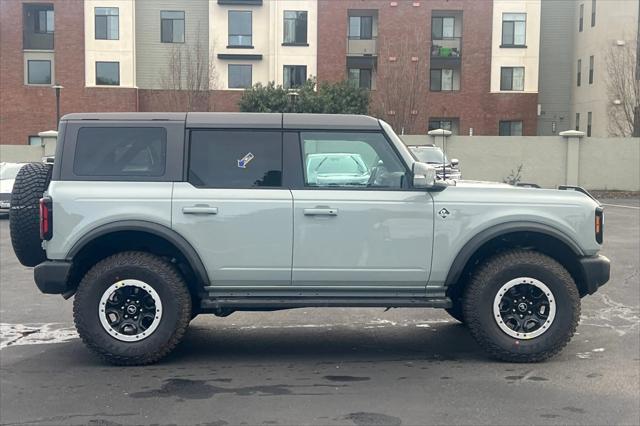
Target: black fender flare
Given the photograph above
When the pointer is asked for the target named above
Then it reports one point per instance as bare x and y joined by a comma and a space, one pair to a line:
470, 248
153, 228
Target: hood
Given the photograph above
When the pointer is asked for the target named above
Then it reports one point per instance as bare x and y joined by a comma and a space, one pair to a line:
6, 186
479, 192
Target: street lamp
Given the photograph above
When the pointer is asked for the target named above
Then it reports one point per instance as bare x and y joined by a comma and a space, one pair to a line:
57, 87
293, 99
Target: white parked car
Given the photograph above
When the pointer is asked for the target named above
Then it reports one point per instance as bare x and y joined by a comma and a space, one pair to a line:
8, 172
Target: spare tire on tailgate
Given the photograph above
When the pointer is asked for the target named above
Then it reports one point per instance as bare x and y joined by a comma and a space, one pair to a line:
24, 215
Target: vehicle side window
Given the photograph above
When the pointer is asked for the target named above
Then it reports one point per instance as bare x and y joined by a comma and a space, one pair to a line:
235, 159
120, 151
350, 159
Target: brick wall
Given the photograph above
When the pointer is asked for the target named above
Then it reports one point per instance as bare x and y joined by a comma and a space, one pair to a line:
473, 104
27, 110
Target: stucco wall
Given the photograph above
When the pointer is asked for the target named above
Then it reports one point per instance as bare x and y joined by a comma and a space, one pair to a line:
603, 163
121, 50
516, 57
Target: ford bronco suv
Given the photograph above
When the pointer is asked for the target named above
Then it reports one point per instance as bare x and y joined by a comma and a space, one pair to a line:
150, 219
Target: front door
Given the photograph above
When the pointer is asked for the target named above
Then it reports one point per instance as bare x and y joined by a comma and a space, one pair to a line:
357, 224
233, 209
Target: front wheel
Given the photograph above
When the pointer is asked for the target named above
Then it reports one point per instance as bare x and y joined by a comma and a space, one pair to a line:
522, 306
132, 308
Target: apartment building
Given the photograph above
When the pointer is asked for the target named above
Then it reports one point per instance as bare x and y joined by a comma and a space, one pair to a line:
474, 64
580, 40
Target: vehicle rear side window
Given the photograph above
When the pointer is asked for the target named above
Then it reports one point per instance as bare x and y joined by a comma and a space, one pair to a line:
120, 151
235, 159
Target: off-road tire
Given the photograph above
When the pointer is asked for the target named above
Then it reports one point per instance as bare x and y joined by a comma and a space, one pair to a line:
24, 214
167, 282
485, 284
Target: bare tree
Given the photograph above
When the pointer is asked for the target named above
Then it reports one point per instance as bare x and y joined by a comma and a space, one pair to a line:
400, 82
189, 77
623, 87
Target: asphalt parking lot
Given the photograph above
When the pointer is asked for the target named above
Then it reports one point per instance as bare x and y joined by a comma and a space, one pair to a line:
326, 366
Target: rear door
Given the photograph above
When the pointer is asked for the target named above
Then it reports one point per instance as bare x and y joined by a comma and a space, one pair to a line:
234, 210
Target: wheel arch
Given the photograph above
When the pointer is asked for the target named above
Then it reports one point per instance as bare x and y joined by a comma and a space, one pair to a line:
128, 235
529, 235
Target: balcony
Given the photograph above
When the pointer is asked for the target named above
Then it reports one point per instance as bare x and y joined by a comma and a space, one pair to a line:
357, 46
446, 48
38, 26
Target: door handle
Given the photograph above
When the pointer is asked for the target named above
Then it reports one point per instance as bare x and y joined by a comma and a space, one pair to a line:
199, 210
321, 212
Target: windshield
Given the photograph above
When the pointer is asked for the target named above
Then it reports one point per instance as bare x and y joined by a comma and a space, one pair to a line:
429, 154
9, 170
336, 163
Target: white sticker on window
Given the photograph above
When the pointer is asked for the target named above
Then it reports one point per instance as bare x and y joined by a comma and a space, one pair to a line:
242, 163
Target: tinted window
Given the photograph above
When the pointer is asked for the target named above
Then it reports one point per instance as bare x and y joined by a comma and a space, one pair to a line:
239, 28
171, 26
107, 73
239, 76
235, 159
39, 72
106, 23
120, 151
350, 159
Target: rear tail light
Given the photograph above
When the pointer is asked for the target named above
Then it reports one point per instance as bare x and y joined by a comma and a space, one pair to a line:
599, 224
46, 218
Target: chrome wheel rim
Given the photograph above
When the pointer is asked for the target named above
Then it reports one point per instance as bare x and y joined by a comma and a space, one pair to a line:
130, 310
524, 308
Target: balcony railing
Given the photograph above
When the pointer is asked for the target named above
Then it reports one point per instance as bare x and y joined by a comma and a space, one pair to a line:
446, 47
357, 46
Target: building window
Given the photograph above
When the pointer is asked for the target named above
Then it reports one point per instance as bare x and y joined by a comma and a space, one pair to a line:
295, 27
38, 72
294, 76
171, 26
593, 13
512, 78
579, 76
44, 21
510, 128
581, 20
451, 124
590, 69
107, 23
239, 76
361, 27
107, 73
442, 27
444, 80
577, 121
35, 141
514, 29
589, 118
240, 28
38, 25
360, 77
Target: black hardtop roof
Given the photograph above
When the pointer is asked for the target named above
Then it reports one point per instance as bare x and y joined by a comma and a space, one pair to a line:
241, 120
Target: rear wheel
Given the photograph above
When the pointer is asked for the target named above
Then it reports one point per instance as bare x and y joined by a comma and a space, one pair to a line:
522, 306
24, 214
132, 308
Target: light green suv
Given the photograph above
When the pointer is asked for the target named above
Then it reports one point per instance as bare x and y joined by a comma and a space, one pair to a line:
152, 218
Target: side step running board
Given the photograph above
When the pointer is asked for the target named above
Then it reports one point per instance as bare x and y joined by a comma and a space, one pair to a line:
264, 303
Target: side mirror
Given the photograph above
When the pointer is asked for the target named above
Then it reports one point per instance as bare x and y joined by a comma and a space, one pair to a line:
455, 162
424, 175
